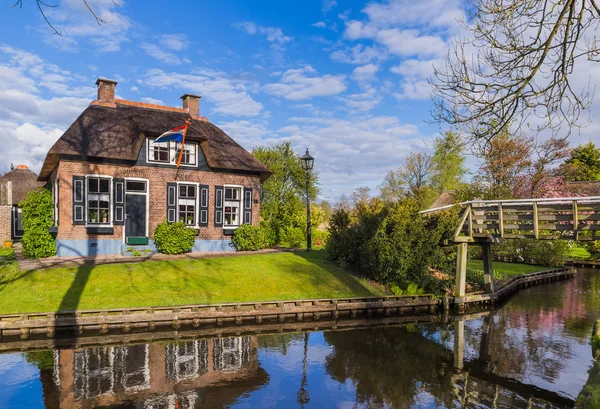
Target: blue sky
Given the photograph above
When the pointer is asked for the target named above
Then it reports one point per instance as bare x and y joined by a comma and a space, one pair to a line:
346, 79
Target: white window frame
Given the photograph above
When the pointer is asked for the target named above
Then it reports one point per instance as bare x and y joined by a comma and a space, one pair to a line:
110, 200
196, 205
173, 154
240, 207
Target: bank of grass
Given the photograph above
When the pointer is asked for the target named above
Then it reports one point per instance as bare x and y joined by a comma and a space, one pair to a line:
502, 270
577, 252
279, 276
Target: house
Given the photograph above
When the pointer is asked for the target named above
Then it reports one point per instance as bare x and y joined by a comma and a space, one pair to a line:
112, 185
14, 186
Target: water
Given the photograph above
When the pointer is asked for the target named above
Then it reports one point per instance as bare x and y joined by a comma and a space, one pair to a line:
532, 352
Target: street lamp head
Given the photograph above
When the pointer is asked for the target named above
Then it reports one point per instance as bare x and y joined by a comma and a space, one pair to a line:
307, 161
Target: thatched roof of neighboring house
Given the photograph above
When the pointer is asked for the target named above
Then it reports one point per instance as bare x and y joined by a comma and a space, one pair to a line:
23, 181
444, 199
119, 132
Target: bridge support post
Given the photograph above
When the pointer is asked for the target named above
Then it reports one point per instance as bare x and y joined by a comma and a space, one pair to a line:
488, 272
459, 344
461, 270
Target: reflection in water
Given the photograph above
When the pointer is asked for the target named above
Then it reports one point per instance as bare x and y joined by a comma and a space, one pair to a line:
534, 352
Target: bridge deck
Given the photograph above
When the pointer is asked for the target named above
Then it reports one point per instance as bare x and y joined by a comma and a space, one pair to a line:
569, 218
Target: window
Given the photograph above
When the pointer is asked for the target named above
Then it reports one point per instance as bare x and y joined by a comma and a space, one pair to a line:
231, 211
98, 200
187, 204
168, 152
231, 353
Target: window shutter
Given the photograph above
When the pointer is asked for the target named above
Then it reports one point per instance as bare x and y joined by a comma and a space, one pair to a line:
247, 206
118, 202
203, 220
78, 199
171, 202
218, 206
57, 208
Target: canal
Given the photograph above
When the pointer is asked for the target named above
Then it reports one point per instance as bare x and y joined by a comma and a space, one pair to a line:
532, 352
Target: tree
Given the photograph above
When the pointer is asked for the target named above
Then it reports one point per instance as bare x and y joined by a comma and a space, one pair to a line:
518, 61
361, 195
284, 192
411, 180
540, 179
448, 162
327, 210
43, 6
505, 158
583, 163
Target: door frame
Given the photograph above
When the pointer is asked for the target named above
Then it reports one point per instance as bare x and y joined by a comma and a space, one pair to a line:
147, 194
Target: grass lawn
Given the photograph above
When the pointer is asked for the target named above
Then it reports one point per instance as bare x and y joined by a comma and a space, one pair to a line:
280, 276
577, 252
502, 270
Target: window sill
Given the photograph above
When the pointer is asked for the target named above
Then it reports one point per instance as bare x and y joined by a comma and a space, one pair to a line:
229, 230
99, 229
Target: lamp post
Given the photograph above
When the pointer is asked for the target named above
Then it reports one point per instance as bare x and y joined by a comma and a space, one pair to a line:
307, 164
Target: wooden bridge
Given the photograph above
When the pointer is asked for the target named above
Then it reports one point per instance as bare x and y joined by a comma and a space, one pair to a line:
485, 222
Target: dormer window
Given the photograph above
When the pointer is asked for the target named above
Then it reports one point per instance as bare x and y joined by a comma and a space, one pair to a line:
168, 153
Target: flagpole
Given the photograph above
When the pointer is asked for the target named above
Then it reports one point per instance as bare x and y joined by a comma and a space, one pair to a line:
182, 143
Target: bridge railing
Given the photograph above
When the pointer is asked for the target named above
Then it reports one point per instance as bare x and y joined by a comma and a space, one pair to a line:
569, 218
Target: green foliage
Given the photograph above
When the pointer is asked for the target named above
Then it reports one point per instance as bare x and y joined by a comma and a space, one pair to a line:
44, 360
596, 343
550, 253
583, 164
37, 219
174, 238
592, 247
250, 238
448, 162
319, 237
283, 199
294, 237
412, 289
392, 243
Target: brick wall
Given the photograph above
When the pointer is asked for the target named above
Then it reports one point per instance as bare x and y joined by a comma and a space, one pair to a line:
5, 220
158, 178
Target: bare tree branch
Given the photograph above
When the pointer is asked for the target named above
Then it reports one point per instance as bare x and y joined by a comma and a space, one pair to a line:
516, 69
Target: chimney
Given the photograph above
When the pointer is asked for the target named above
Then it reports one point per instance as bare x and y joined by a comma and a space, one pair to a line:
192, 104
106, 90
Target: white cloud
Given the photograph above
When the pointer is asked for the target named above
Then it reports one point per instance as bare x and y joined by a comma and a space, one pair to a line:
273, 34
359, 54
319, 24
75, 22
227, 95
417, 68
417, 89
150, 100
156, 52
175, 42
364, 101
26, 144
305, 83
328, 5
365, 72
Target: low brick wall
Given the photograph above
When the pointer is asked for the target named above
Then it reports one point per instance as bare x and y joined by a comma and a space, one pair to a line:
5, 212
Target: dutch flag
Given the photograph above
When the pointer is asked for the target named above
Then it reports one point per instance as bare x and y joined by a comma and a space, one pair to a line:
175, 134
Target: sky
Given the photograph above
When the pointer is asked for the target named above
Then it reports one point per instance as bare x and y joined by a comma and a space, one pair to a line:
345, 79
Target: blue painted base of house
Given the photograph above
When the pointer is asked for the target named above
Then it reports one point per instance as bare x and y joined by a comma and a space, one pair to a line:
93, 247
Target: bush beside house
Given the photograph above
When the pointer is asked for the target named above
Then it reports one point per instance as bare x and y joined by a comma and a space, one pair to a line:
174, 238
37, 220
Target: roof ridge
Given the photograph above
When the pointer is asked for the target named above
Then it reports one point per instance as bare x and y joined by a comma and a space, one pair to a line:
145, 105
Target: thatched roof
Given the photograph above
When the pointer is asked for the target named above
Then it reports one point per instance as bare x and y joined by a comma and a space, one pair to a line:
23, 181
119, 132
444, 199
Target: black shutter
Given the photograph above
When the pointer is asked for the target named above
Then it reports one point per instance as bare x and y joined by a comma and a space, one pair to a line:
218, 206
203, 192
171, 202
247, 206
78, 199
57, 204
118, 202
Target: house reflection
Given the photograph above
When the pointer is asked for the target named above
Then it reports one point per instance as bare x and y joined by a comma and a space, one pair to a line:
183, 375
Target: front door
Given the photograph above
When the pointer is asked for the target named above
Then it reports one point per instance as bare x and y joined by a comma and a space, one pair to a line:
135, 209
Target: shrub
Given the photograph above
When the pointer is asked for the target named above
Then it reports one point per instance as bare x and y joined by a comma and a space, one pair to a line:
319, 237
269, 233
250, 238
37, 219
393, 244
174, 238
549, 253
294, 237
